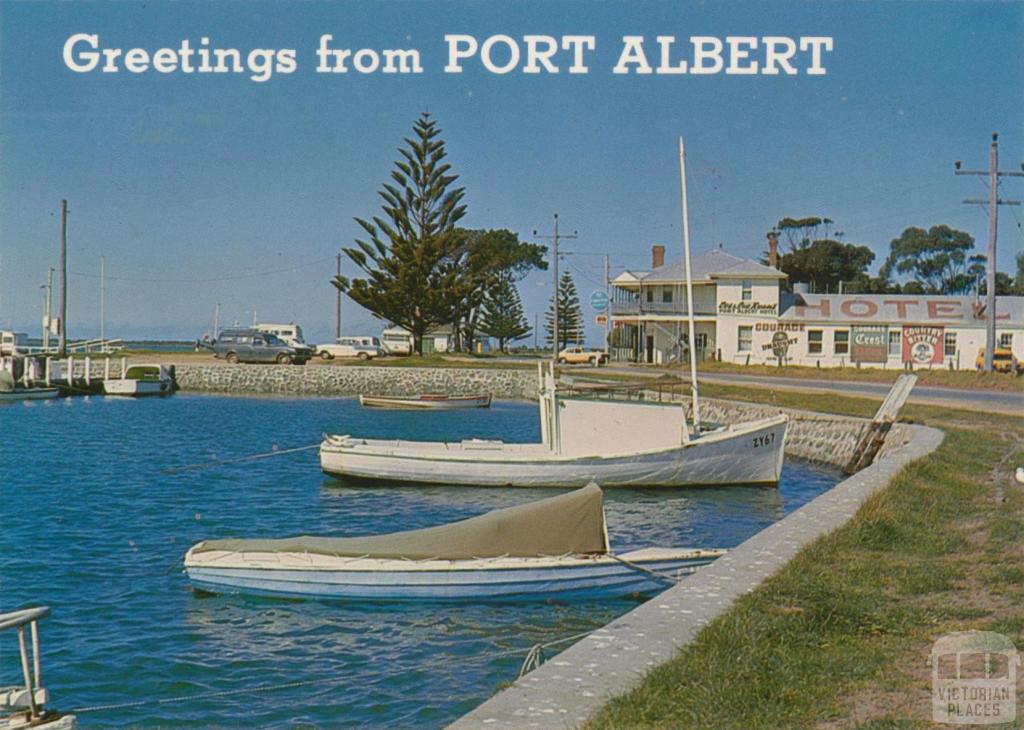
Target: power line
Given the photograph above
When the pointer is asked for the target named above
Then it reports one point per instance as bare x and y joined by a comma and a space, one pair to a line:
993, 173
269, 272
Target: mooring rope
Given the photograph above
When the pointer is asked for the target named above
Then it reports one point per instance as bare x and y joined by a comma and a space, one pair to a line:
647, 571
251, 457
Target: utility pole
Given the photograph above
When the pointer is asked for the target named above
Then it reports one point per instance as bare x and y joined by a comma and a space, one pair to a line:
555, 238
49, 310
608, 311
337, 317
103, 297
63, 346
993, 203
216, 320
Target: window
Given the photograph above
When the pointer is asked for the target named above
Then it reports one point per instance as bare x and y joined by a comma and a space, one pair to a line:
745, 337
666, 295
895, 343
1006, 340
748, 290
949, 342
650, 295
841, 342
814, 342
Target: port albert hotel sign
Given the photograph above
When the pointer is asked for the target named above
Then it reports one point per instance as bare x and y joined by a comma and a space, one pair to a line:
744, 314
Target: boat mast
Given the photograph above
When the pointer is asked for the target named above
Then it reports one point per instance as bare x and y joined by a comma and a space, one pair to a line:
689, 288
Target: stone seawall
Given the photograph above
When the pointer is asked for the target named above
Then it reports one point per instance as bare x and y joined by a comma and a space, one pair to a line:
327, 380
820, 437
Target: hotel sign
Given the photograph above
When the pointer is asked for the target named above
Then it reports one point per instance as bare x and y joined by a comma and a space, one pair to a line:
869, 344
757, 309
923, 345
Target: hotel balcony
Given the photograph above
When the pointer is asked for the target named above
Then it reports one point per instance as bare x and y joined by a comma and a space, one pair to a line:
639, 309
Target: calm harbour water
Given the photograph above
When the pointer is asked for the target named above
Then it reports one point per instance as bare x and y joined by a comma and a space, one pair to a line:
95, 528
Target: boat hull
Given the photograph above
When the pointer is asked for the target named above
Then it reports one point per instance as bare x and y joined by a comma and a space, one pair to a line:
497, 579
29, 394
136, 388
426, 402
748, 454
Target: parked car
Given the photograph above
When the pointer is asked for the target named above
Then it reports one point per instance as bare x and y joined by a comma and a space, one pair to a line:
250, 345
581, 355
364, 348
1003, 361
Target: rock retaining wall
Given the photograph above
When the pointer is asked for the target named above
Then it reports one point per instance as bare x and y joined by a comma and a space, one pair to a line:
328, 380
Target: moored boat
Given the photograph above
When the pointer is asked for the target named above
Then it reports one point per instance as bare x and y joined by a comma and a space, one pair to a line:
552, 548
140, 380
427, 401
28, 394
614, 443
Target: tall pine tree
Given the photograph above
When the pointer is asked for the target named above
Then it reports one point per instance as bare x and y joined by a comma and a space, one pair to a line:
501, 315
412, 258
570, 315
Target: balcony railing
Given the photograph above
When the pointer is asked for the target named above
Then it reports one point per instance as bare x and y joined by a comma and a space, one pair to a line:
620, 309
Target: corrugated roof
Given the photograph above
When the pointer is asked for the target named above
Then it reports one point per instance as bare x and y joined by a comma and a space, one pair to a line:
709, 264
898, 308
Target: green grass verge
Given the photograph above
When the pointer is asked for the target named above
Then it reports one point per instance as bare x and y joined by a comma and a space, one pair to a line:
840, 636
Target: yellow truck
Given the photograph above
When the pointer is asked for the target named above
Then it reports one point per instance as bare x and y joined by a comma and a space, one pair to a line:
1003, 361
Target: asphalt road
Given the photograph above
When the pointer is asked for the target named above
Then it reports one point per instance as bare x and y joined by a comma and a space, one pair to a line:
976, 400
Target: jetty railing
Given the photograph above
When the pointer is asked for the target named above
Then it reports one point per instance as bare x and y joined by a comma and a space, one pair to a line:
33, 695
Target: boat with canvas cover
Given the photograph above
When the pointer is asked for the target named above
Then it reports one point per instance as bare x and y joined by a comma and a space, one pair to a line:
426, 402
552, 548
614, 443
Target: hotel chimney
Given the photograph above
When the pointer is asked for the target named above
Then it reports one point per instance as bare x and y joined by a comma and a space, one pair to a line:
773, 249
657, 256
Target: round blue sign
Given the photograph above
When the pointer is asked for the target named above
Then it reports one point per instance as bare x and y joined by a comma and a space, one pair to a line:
599, 301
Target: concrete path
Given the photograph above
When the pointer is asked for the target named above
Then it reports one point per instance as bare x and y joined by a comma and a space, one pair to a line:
572, 687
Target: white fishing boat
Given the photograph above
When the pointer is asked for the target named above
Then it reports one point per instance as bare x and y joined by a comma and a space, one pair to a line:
426, 401
552, 548
614, 443
24, 706
140, 380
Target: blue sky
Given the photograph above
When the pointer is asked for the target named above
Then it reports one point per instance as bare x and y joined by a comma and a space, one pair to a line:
200, 189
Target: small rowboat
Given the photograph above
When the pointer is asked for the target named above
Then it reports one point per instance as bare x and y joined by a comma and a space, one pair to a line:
555, 548
28, 394
426, 401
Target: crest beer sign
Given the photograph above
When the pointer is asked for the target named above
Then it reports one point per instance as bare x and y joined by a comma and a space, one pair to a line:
922, 345
870, 344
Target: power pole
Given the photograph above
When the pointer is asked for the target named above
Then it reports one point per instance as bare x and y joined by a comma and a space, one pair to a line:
608, 311
216, 320
555, 238
993, 203
103, 297
337, 317
63, 346
49, 310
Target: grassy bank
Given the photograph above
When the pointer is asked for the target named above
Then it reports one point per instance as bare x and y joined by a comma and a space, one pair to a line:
840, 637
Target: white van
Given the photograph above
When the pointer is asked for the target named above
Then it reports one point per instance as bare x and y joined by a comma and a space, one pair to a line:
291, 333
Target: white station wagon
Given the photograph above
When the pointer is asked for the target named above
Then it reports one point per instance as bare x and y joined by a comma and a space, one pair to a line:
363, 348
